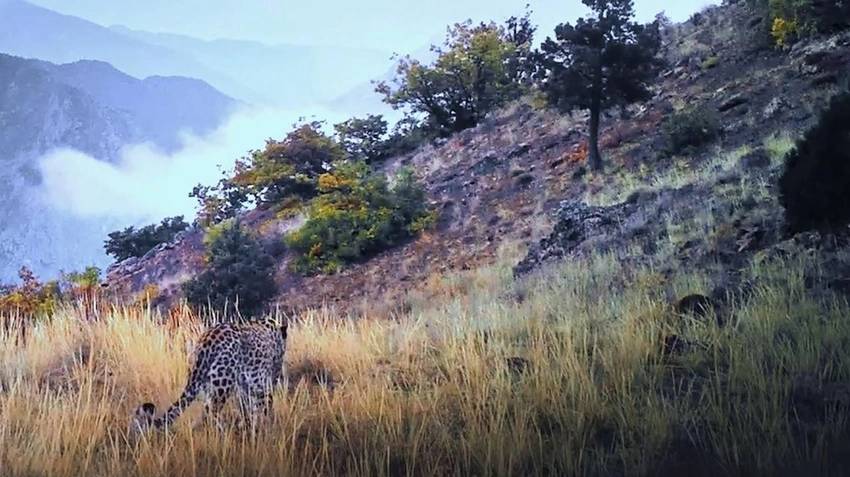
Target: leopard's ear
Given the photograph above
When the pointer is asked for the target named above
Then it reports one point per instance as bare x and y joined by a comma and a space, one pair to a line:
143, 418
148, 408
283, 329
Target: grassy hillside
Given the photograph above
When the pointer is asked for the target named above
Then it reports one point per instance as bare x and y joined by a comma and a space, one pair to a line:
582, 369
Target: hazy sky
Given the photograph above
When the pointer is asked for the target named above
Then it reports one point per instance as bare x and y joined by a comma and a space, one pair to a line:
392, 25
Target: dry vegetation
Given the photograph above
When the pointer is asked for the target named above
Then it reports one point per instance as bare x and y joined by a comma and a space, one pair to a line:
564, 374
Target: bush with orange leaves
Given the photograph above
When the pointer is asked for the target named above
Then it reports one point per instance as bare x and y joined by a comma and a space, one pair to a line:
30, 298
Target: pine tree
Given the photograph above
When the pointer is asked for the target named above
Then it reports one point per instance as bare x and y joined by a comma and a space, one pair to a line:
600, 62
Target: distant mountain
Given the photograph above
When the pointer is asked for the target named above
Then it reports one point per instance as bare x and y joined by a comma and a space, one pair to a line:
31, 31
93, 108
286, 74
362, 99
283, 75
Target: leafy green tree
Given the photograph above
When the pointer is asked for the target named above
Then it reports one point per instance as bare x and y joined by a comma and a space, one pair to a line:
220, 202
239, 273
289, 167
364, 139
476, 71
130, 242
602, 61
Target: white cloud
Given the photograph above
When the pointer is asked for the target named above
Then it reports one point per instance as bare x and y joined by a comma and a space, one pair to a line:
145, 184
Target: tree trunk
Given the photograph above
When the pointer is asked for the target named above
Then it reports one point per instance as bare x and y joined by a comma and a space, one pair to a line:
594, 159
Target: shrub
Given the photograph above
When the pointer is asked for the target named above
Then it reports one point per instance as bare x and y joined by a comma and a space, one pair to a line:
356, 215
364, 139
81, 285
710, 62
686, 131
783, 31
130, 242
814, 186
239, 273
787, 20
31, 297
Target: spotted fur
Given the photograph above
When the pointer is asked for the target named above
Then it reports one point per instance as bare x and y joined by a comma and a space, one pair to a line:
245, 359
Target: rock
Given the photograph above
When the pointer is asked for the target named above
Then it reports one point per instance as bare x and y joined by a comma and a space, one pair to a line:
757, 159
517, 365
815, 57
732, 103
520, 150
825, 79
698, 306
774, 107
524, 179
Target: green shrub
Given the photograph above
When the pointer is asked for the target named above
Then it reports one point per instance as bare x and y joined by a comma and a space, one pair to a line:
478, 68
85, 280
356, 215
130, 242
239, 274
814, 186
686, 131
364, 139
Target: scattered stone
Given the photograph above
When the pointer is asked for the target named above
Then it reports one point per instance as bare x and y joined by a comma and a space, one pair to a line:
517, 172
520, 150
732, 103
524, 180
517, 365
825, 79
774, 107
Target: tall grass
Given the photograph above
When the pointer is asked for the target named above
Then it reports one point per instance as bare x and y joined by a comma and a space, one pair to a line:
561, 374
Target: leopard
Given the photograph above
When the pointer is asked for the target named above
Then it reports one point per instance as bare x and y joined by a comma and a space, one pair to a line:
245, 359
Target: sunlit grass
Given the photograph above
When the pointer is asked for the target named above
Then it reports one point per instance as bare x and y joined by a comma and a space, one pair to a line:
559, 374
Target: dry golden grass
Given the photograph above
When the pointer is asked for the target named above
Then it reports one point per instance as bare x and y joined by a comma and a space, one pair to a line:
561, 374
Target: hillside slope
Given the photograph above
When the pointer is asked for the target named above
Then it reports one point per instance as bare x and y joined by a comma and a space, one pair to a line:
507, 183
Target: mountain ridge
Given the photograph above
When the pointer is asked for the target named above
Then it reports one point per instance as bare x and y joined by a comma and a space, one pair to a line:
43, 107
